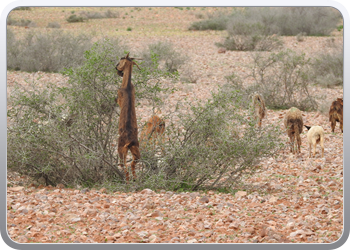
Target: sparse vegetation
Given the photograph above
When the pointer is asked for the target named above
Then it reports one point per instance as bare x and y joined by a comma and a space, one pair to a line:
168, 58
22, 22
53, 25
216, 23
100, 15
22, 8
75, 19
282, 78
258, 28
285, 21
30, 53
327, 68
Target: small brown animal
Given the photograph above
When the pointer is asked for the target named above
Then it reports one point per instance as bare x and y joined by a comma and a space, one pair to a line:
336, 113
315, 135
293, 122
258, 105
154, 128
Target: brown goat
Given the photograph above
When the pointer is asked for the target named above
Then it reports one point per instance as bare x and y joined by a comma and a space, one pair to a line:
293, 122
258, 105
154, 128
127, 120
336, 114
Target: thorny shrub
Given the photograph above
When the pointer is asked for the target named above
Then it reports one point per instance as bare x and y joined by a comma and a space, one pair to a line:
49, 51
283, 79
213, 145
68, 134
327, 68
168, 58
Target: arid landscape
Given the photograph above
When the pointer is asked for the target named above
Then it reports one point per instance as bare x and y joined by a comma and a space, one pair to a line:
294, 199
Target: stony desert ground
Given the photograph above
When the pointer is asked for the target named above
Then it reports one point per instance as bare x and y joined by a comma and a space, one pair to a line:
296, 199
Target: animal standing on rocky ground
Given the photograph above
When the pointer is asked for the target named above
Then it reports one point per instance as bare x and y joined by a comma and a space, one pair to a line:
293, 122
336, 114
315, 135
128, 133
258, 105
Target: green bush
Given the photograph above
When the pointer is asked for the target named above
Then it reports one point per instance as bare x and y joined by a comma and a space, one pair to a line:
216, 23
214, 145
22, 8
49, 51
282, 78
75, 19
68, 134
99, 15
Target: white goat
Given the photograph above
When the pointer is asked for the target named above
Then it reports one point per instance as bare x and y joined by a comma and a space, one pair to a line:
315, 135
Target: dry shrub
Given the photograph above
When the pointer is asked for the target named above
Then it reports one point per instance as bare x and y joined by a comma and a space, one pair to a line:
50, 51
282, 78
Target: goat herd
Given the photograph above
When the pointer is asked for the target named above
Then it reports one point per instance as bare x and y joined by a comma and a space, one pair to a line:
293, 123
128, 131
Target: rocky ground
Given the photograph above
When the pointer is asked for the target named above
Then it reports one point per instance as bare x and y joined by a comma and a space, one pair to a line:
295, 199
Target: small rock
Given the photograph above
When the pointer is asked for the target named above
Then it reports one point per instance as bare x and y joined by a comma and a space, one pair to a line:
293, 234
22, 239
263, 232
192, 241
75, 219
15, 189
207, 225
130, 199
90, 212
204, 199
153, 238
149, 205
229, 204
290, 224
147, 191
229, 219
240, 194
250, 230
233, 225
222, 50
273, 199
156, 213
117, 235
23, 210
143, 234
